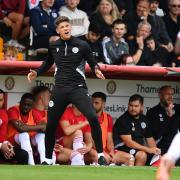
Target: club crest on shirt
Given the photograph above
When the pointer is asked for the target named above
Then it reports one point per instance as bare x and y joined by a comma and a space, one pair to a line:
75, 50
161, 118
51, 103
143, 125
54, 15
57, 49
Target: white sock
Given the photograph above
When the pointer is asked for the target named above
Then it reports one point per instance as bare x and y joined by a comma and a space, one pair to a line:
174, 149
24, 141
100, 154
77, 142
40, 142
76, 159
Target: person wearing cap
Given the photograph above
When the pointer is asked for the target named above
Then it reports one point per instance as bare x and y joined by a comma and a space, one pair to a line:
69, 54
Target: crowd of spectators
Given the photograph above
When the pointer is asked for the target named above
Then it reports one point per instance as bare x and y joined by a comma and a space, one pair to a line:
146, 30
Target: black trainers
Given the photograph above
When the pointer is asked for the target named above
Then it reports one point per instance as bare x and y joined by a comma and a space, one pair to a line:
102, 161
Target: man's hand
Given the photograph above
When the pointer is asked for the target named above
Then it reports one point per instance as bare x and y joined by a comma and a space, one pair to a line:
83, 150
7, 150
99, 74
154, 150
7, 21
31, 75
170, 110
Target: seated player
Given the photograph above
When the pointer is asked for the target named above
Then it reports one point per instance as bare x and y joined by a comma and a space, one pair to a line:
8, 153
21, 126
74, 136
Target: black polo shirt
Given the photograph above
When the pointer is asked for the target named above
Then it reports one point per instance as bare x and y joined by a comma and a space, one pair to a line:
163, 127
139, 129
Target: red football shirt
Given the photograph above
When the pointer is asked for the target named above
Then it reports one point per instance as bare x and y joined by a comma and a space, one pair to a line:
14, 114
39, 116
3, 124
72, 119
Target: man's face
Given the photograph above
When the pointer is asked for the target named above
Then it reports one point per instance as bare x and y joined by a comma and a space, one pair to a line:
64, 30
48, 3
119, 30
153, 6
98, 104
142, 7
93, 37
72, 4
26, 105
135, 108
143, 31
151, 44
174, 7
166, 96
1, 100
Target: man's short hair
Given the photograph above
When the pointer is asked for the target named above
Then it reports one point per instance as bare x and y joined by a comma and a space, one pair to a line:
136, 97
161, 89
95, 29
39, 89
27, 96
61, 19
117, 22
99, 95
144, 23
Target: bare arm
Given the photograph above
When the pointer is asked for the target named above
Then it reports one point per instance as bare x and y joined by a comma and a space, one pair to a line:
151, 142
69, 129
88, 141
110, 144
21, 127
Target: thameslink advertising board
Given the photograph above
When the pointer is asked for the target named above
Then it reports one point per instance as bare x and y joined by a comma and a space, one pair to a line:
117, 91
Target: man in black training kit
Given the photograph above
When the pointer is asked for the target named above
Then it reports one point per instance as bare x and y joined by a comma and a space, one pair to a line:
69, 55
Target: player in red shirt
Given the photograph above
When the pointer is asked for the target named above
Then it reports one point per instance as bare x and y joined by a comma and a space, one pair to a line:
106, 123
7, 151
41, 96
21, 126
74, 136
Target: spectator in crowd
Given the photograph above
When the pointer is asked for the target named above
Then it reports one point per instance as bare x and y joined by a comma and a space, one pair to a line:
159, 54
21, 126
106, 13
125, 60
92, 38
41, 96
164, 119
78, 18
131, 129
12, 14
172, 19
73, 136
42, 20
106, 123
137, 47
8, 153
116, 45
10, 53
158, 27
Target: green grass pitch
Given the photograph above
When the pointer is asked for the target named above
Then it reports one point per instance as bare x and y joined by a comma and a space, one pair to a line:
14, 172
